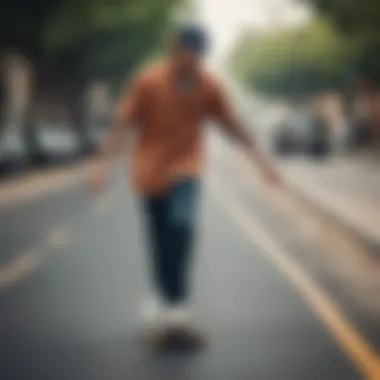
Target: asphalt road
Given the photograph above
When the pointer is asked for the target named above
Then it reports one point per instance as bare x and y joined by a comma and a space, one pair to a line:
69, 308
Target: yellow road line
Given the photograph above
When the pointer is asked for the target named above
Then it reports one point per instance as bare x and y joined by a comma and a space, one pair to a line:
283, 199
30, 260
58, 237
350, 341
19, 268
320, 231
100, 204
35, 186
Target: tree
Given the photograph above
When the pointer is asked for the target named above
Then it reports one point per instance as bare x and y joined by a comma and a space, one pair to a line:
293, 61
360, 22
72, 43
113, 40
353, 17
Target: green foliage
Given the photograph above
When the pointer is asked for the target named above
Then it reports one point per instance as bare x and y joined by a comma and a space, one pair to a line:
359, 20
355, 17
293, 60
22, 24
71, 40
81, 20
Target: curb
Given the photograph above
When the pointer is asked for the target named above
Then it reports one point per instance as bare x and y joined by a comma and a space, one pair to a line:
365, 237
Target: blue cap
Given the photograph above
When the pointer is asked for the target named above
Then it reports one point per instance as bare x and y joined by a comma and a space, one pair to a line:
194, 38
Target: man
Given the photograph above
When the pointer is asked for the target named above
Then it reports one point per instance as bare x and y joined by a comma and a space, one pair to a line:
168, 102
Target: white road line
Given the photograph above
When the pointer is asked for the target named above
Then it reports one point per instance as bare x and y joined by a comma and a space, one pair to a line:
350, 341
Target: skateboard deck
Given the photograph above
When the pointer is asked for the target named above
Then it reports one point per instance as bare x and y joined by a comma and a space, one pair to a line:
177, 339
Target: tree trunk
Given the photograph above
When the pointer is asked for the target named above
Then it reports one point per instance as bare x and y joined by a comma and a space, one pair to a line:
30, 119
2, 107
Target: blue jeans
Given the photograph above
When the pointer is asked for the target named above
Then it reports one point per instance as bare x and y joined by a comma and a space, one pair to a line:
170, 221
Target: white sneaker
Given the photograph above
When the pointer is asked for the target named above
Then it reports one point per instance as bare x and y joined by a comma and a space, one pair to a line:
177, 316
151, 309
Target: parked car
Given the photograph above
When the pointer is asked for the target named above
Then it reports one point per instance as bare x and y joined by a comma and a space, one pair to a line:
290, 135
13, 153
59, 144
286, 141
360, 135
302, 134
23, 149
318, 142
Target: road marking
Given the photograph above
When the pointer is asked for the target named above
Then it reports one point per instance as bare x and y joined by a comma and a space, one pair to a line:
21, 267
35, 186
58, 237
350, 262
366, 221
101, 204
350, 341
283, 200
30, 260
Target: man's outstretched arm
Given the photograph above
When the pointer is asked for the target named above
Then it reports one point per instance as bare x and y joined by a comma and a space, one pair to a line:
127, 112
238, 132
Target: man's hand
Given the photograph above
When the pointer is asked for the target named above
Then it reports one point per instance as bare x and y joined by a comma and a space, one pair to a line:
265, 165
271, 175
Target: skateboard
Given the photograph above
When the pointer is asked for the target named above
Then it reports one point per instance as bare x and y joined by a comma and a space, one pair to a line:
177, 339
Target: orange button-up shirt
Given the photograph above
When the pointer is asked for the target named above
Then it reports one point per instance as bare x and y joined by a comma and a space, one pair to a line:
169, 125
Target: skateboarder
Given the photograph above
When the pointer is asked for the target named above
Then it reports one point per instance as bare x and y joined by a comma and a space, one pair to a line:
168, 104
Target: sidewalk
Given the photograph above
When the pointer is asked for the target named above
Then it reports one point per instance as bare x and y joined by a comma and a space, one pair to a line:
346, 190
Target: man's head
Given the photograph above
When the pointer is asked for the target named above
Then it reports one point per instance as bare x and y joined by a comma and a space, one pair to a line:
189, 47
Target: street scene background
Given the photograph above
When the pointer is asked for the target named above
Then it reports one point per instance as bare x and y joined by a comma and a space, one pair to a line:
287, 280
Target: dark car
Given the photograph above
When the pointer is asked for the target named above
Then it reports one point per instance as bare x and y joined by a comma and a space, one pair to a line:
302, 134
318, 144
291, 135
286, 140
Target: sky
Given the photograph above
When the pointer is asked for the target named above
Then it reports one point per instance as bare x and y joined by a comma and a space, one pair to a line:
227, 19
